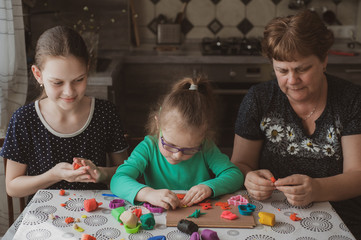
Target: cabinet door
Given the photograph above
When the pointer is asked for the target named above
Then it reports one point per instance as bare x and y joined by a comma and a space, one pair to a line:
349, 72
144, 85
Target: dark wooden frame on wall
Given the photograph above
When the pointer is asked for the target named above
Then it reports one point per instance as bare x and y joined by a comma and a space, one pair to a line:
10, 199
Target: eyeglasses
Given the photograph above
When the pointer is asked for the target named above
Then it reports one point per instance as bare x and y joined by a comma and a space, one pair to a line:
185, 151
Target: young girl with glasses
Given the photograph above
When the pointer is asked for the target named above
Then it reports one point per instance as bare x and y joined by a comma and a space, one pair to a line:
178, 153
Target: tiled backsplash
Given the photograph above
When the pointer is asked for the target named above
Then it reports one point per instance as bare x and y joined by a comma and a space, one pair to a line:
231, 18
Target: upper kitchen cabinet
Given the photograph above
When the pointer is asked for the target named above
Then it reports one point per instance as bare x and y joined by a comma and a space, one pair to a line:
105, 23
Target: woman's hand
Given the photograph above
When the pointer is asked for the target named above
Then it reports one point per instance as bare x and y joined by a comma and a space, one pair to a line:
158, 197
65, 171
96, 173
259, 184
299, 189
196, 194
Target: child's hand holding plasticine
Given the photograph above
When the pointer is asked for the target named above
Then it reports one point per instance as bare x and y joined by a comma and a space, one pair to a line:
94, 174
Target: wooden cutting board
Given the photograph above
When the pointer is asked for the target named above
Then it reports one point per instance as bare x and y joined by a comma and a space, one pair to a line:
212, 218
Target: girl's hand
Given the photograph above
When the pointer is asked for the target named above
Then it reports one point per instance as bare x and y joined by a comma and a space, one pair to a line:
160, 197
259, 184
196, 194
65, 171
96, 174
298, 189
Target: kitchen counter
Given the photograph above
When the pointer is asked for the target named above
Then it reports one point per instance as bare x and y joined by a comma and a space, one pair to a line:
190, 54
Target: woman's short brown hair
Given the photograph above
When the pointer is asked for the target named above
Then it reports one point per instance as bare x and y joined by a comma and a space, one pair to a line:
303, 34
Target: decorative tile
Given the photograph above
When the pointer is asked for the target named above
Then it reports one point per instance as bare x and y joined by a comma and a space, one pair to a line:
186, 26
201, 12
215, 26
245, 26
152, 26
154, 1
276, 1
245, 2
215, 1
230, 12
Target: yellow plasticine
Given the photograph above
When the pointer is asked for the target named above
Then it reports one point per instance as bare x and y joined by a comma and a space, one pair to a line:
77, 228
83, 216
267, 218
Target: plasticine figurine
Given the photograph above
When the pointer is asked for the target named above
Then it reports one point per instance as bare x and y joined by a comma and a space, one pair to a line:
91, 204
147, 221
129, 219
208, 234
187, 226
115, 203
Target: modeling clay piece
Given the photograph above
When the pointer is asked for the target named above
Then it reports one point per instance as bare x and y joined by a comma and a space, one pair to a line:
137, 212
205, 206
196, 214
87, 237
195, 236
223, 205
160, 237
116, 203
117, 212
267, 218
293, 217
153, 209
91, 204
246, 209
69, 220
180, 196
273, 179
77, 228
147, 221
129, 219
187, 227
237, 200
62, 204
61, 192
132, 230
228, 215
76, 165
51, 216
208, 234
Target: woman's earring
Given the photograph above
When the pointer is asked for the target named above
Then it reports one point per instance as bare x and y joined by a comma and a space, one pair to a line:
41, 85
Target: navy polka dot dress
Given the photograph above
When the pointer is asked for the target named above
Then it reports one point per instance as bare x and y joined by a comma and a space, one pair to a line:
31, 141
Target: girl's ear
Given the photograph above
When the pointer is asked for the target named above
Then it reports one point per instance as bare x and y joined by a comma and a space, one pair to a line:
37, 74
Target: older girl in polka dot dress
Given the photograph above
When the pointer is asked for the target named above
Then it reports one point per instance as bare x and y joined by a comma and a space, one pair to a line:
46, 138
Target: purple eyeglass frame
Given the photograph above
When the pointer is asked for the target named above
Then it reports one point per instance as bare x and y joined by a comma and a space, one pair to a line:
179, 149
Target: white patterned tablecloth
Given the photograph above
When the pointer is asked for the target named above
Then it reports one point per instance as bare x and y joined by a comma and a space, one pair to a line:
319, 220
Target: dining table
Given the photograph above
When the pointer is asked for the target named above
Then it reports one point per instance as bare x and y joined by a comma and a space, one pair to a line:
46, 214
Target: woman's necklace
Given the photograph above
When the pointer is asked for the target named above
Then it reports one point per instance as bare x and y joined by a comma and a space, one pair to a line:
310, 114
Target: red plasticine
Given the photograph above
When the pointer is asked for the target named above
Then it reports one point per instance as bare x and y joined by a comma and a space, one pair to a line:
228, 215
137, 212
62, 204
62, 192
69, 220
87, 237
180, 196
273, 179
76, 166
91, 204
293, 217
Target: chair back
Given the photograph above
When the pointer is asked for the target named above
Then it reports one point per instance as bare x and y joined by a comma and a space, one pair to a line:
11, 212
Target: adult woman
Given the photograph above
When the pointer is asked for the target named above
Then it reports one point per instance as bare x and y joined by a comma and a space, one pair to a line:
304, 127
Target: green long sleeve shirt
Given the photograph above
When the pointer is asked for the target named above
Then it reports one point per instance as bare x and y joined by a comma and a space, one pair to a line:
146, 160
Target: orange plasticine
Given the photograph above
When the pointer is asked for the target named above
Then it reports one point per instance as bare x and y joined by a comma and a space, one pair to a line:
273, 179
69, 220
293, 217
